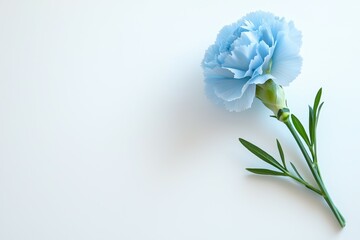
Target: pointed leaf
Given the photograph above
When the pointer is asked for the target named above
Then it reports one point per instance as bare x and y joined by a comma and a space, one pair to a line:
318, 114
281, 153
260, 153
262, 171
296, 171
311, 125
317, 100
300, 129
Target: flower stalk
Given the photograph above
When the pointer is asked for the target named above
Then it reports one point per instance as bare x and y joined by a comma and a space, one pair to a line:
313, 166
273, 97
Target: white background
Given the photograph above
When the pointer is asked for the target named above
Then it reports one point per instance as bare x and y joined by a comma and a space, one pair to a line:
105, 131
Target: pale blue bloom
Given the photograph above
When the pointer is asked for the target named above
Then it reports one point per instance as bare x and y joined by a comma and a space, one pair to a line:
258, 47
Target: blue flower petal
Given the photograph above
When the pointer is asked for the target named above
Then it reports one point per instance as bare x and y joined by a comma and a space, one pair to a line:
267, 60
210, 59
263, 49
240, 56
238, 74
261, 18
260, 79
249, 38
244, 102
267, 35
229, 90
294, 34
286, 61
226, 37
254, 64
217, 73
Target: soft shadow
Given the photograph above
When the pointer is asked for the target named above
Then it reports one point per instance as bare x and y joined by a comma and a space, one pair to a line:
313, 202
193, 121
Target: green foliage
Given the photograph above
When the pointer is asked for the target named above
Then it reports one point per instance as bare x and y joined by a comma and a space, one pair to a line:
317, 99
296, 171
300, 129
318, 114
314, 117
281, 153
260, 153
311, 126
263, 171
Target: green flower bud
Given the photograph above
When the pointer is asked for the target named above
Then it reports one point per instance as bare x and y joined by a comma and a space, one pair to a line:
273, 97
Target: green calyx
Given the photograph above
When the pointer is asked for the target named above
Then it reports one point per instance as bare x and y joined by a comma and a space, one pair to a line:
272, 96
283, 114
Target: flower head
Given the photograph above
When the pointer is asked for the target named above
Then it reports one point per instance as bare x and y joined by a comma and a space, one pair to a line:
258, 47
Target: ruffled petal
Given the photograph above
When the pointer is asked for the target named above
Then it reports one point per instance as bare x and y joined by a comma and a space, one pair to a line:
229, 90
244, 102
267, 60
210, 58
294, 34
260, 18
263, 49
249, 37
238, 74
217, 73
260, 79
266, 35
254, 64
226, 37
240, 57
286, 61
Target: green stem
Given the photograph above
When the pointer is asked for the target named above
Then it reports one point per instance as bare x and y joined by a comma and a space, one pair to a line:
315, 172
315, 148
306, 184
314, 153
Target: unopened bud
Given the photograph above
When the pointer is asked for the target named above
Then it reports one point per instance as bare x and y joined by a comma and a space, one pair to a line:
273, 97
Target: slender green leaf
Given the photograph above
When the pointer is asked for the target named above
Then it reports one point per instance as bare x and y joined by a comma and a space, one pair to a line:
317, 100
296, 171
260, 153
281, 153
262, 171
318, 114
300, 129
311, 125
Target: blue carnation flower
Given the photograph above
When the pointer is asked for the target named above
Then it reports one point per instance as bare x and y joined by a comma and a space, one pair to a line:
258, 47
